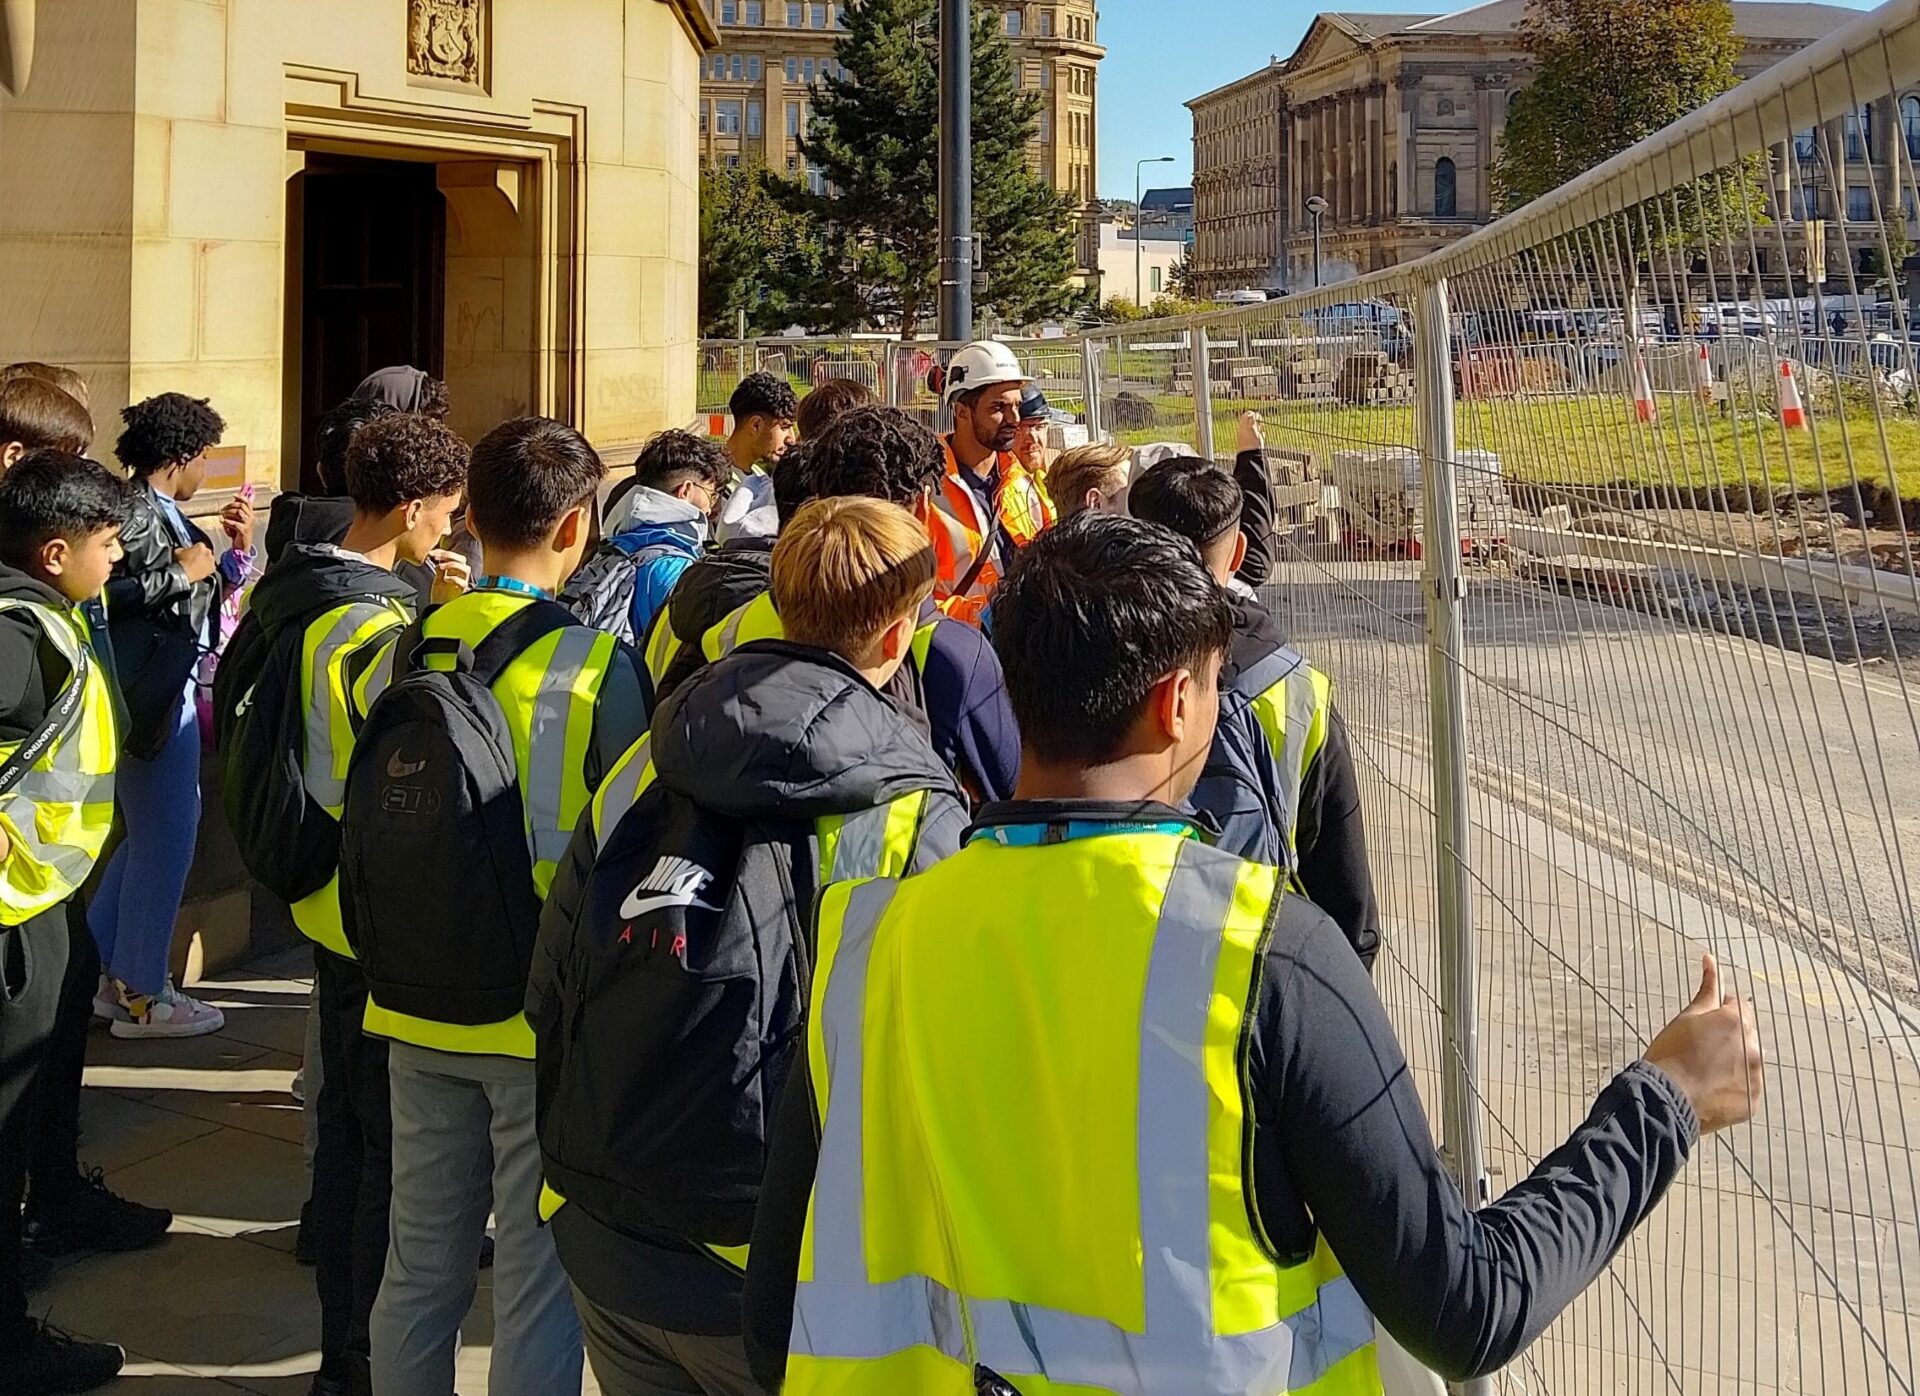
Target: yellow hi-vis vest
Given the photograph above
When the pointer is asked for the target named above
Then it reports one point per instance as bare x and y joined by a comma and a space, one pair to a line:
1293, 703
549, 693
877, 842
327, 654
758, 620
57, 815
1034, 1130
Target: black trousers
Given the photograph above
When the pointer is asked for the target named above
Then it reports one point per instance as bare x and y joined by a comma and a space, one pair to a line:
33, 968
352, 1165
53, 1164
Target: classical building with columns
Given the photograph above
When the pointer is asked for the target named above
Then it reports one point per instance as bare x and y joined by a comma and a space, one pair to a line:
1395, 121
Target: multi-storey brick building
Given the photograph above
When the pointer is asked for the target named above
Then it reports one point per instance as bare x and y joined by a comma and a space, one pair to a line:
755, 92
1395, 120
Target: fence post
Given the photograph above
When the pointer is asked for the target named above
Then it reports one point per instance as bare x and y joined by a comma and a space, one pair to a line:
1445, 590
1202, 393
1090, 385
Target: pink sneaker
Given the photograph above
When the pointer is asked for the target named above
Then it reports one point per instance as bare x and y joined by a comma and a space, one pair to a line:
106, 1002
168, 1013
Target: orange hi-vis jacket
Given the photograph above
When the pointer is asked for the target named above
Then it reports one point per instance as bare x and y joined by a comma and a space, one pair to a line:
959, 531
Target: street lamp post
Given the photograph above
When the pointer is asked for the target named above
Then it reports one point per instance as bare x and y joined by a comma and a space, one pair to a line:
1316, 209
1140, 291
956, 171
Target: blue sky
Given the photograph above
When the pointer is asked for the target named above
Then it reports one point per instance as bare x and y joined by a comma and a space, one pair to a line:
1160, 56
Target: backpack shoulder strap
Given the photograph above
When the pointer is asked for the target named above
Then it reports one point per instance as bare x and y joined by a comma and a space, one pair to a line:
517, 634
1267, 671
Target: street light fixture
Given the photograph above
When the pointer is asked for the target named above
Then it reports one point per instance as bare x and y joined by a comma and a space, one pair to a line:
1140, 291
1316, 209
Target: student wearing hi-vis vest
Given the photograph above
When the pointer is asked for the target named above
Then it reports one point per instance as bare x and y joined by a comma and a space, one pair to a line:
60, 519
489, 724
671, 974
1092, 1106
285, 721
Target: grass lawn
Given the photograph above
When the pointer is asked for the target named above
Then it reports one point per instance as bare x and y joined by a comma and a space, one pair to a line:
1595, 440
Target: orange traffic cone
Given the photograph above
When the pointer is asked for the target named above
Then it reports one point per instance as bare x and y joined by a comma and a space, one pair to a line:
1703, 375
1643, 406
1793, 412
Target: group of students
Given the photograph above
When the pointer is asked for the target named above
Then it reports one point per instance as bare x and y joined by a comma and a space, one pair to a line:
817, 993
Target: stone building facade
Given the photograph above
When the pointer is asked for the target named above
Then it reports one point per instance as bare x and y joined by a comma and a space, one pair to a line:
755, 91
257, 201
1394, 120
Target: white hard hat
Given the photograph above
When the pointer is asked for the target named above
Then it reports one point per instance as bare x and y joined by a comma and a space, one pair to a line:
981, 364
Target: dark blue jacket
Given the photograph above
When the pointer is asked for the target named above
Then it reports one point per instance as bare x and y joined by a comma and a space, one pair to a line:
968, 709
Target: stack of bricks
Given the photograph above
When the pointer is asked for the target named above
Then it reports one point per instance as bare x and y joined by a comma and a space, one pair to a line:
1307, 379
1372, 378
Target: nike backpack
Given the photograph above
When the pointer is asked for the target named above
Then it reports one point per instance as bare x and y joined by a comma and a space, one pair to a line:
288, 843
600, 593
677, 999
436, 879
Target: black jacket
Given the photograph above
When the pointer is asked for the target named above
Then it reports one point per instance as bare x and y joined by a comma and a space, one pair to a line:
157, 618
726, 579
321, 518
1330, 837
1256, 516
1338, 1143
774, 736
310, 577
32, 670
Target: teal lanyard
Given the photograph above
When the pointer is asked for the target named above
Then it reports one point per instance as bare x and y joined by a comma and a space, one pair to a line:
1066, 831
512, 584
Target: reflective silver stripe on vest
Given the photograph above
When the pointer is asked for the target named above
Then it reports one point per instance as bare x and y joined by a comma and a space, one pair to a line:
547, 743
327, 789
1298, 704
838, 1314
862, 845
730, 632
621, 789
61, 780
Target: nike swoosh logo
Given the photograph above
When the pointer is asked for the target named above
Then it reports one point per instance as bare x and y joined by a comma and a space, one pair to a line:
400, 770
636, 905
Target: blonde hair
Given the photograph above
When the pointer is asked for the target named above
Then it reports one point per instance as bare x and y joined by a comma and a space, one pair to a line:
1099, 466
846, 568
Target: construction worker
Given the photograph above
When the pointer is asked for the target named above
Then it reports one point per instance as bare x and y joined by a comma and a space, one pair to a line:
1101, 1108
1279, 784
490, 723
988, 505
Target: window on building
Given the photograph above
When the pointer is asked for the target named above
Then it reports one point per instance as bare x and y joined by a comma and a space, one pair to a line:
733, 162
1046, 76
1806, 202
839, 16
739, 68
726, 118
818, 14
806, 70
1859, 134
729, 12
756, 12
1046, 24
816, 181
793, 164
1153, 279
753, 67
1910, 125
703, 118
1446, 201
1013, 24
1859, 204
796, 14
1045, 132
793, 70
793, 118
753, 118
1806, 146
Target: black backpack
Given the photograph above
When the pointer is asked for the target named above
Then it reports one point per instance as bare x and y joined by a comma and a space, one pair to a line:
288, 843
600, 593
436, 880
654, 1108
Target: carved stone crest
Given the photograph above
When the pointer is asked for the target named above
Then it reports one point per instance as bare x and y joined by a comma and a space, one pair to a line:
444, 39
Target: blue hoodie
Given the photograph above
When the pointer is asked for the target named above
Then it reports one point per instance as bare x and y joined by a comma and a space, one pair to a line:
645, 518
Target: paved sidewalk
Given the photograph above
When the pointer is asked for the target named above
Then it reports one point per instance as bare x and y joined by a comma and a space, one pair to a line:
207, 1127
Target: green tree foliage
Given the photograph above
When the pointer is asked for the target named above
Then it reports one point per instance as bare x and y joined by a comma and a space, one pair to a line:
1182, 279
1886, 262
756, 255
874, 137
1608, 73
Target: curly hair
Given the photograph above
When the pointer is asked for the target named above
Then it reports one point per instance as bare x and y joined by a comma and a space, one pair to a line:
878, 451
334, 433
764, 395
402, 456
166, 430
792, 481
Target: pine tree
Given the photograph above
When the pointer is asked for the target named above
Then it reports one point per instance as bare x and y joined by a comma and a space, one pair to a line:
874, 138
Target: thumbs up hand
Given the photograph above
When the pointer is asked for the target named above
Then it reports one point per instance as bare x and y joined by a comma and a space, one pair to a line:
1711, 1051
